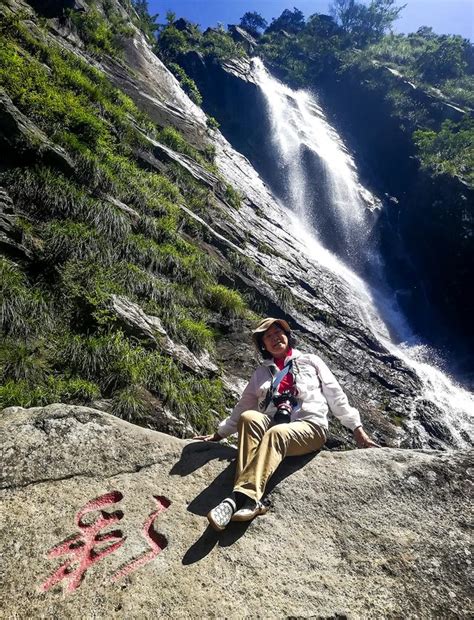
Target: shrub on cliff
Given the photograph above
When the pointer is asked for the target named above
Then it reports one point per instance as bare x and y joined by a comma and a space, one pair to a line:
253, 22
187, 84
448, 151
225, 300
173, 42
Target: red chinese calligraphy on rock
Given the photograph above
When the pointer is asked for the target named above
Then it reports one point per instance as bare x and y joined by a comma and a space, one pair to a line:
83, 548
156, 541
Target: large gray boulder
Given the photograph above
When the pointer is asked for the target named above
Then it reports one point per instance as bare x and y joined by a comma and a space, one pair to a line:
356, 534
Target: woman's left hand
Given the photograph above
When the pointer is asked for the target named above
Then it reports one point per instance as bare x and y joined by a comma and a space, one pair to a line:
363, 440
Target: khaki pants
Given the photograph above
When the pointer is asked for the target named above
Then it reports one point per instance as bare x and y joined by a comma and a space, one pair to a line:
262, 447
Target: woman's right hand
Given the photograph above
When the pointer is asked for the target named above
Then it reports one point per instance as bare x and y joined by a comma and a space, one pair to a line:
215, 437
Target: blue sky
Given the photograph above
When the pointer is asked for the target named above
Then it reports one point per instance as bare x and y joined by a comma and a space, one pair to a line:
445, 16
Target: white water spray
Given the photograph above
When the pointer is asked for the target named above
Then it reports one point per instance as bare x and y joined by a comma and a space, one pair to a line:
299, 126
300, 130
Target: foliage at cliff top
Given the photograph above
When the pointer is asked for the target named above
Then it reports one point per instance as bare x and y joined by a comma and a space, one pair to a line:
441, 66
180, 36
111, 227
450, 150
253, 22
356, 40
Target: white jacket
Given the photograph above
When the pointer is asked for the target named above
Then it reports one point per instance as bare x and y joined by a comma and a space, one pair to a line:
317, 388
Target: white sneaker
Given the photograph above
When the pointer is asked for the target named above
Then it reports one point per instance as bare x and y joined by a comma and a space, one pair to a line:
249, 510
220, 516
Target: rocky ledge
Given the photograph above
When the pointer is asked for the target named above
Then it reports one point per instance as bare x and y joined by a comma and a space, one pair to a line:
104, 519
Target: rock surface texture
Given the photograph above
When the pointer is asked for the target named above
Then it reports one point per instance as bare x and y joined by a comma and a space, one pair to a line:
358, 534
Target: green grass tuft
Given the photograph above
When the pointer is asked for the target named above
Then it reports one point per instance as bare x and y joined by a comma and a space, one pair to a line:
233, 197
24, 310
101, 34
196, 335
130, 405
187, 84
53, 390
23, 361
224, 300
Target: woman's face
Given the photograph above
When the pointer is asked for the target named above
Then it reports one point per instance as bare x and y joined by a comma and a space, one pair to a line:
276, 341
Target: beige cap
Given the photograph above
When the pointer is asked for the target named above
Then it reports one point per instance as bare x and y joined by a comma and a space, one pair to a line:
266, 324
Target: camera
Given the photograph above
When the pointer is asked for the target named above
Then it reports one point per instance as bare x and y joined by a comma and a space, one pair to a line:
284, 403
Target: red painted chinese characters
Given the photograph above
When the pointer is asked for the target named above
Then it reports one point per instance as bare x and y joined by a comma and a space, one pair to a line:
87, 547
156, 541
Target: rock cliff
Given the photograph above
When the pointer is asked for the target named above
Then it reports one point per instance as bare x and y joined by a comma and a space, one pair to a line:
253, 246
356, 534
414, 200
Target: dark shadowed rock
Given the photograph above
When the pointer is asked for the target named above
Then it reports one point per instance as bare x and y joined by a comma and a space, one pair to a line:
431, 417
10, 235
356, 534
57, 8
243, 37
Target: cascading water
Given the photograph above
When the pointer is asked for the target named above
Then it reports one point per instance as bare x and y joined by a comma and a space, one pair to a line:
339, 210
322, 189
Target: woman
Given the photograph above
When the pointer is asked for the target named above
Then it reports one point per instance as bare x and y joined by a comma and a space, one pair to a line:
267, 431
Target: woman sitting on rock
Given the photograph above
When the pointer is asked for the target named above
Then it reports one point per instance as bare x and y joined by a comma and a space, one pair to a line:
282, 412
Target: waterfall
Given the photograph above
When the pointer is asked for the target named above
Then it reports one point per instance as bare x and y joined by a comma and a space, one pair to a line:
332, 202
333, 215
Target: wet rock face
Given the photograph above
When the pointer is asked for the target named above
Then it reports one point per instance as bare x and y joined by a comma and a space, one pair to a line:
428, 292
228, 90
431, 271
357, 534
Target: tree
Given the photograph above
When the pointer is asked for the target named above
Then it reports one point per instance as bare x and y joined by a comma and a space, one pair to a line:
442, 59
346, 13
171, 43
146, 22
365, 24
170, 17
290, 21
322, 26
450, 151
382, 14
426, 32
253, 22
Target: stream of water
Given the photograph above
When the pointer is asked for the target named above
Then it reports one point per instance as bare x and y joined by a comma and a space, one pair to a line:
333, 214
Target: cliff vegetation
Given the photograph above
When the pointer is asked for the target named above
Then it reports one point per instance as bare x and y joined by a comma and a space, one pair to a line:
95, 225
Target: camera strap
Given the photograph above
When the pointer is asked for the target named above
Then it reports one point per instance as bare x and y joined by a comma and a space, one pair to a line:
277, 379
